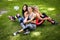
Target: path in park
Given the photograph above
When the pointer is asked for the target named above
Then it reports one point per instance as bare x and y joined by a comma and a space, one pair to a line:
3, 12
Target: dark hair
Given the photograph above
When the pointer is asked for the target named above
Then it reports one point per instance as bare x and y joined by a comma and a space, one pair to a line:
25, 10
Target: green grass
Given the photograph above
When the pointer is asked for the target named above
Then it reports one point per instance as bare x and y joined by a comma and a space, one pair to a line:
44, 32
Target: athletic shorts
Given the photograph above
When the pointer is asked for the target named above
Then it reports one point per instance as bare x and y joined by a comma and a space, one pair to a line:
39, 22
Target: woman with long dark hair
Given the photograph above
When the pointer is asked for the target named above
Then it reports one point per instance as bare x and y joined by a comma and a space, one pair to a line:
24, 10
25, 27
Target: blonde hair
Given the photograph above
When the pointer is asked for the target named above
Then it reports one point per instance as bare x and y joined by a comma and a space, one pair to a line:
34, 7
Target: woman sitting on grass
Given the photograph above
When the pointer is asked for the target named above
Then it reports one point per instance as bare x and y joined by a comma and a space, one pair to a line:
31, 18
41, 17
25, 27
25, 10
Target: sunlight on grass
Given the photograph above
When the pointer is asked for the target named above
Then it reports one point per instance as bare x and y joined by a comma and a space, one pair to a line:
10, 0
43, 8
28, 3
14, 37
44, 11
0, 15
46, 32
53, 14
51, 9
35, 34
41, 5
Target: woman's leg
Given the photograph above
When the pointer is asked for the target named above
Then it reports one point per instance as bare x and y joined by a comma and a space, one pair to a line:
49, 19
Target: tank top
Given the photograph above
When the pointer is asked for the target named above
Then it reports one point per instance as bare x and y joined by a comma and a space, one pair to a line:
31, 15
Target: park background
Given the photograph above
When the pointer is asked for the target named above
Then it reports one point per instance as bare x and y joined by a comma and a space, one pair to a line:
46, 31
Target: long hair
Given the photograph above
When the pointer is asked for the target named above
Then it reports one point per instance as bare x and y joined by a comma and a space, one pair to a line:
25, 10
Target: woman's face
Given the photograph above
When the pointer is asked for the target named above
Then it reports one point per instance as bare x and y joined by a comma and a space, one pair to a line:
24, 8
29, 9
36, 8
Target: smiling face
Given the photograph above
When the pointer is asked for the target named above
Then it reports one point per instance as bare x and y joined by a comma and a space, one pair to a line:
36, 8
29, 9
24, 8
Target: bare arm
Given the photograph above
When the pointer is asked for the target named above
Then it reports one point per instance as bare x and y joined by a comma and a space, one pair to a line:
38, 15
30, 19
25, 14
33, 21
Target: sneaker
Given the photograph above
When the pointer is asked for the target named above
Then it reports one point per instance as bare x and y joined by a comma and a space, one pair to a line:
55, 23
15, 33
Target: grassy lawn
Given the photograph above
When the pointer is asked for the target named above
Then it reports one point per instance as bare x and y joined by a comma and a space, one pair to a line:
45, 32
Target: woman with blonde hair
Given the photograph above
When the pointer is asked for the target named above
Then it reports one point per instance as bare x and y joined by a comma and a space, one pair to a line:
41, 17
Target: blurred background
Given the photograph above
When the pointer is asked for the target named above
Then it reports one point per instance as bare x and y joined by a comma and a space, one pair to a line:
44, 32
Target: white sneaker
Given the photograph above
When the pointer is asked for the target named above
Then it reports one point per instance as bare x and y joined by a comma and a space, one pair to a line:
14, 34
